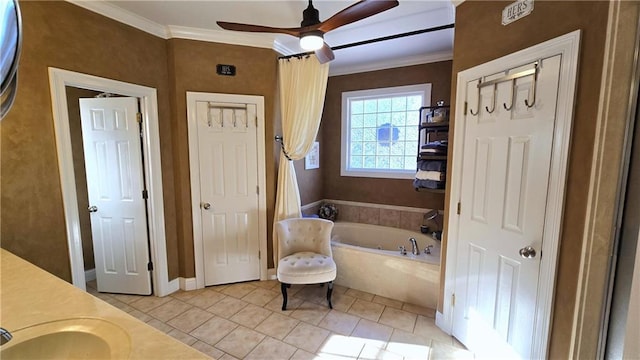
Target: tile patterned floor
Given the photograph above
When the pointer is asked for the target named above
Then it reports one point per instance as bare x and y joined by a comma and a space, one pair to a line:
244, 321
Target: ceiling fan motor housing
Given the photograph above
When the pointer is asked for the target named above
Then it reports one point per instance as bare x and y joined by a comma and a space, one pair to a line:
310, 16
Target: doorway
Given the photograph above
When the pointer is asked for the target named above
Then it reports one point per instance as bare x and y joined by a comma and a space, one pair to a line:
59, 80
513, 124
228, 200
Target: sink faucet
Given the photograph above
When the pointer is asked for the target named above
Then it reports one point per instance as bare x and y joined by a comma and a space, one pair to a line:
414, 246
5, 336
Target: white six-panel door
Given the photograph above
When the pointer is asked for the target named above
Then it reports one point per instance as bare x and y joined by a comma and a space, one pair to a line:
111, 139
506, 166
229, 203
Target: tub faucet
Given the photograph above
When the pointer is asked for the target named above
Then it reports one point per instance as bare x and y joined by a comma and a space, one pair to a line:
414, 246
5, 336
427, 250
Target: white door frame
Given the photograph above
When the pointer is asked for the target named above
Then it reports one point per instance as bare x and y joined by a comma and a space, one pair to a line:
58, 80
568, 46
194, 165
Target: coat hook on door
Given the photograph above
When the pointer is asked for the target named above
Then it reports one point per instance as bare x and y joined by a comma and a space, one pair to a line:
504, 105
493, 108
478, 104
533, 88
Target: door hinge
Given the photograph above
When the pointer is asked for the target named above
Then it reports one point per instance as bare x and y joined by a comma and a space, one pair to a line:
139, 117
257, 190
259, 255
145, 194
459, 207
465, 108
453, 299
150, 266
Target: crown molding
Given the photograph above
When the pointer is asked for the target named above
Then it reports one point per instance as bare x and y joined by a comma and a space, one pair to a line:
282, 49
123, 16
221, 36
393, 63
167, 32
254, 40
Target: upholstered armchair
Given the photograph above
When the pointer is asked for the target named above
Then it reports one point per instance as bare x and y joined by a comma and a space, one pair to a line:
304, 253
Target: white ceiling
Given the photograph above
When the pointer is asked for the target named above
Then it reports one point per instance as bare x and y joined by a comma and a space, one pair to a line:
197, 20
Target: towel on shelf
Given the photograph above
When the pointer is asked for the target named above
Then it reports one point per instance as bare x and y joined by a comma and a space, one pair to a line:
428, 184
430, 175
432, 165
435, 148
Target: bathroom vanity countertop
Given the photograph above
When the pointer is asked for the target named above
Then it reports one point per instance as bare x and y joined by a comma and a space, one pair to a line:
31, 296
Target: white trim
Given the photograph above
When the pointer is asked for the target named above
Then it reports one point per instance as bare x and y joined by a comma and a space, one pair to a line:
90, 275
187, 284
222, 36
271, 274
283, 49
173, 31
264, 40
58, 80
173, 286
568, 46
121, 15
345, 139
377, 206
391, 63
311, 205
194, 166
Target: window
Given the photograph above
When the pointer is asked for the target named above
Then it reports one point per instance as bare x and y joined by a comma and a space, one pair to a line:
380, 131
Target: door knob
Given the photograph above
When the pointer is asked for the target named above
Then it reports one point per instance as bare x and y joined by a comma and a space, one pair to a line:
528, 252
93, 209
206, 206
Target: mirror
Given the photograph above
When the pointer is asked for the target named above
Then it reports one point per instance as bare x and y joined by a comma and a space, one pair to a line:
10, 42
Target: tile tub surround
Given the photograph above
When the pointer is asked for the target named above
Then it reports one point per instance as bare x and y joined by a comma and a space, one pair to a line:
234, 322
374, 214
31, 296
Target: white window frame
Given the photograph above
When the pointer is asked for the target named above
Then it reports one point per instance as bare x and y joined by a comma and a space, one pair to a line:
345, 142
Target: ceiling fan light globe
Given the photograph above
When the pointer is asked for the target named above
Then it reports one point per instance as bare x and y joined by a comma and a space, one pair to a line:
311, 42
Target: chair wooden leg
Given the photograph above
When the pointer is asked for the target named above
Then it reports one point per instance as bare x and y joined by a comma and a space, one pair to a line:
283, 288
329, 291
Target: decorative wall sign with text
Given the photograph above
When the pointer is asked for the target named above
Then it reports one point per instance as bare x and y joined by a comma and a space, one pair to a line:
516, 11
228, 70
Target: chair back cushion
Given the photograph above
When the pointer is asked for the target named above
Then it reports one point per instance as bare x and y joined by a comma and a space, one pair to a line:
304, 235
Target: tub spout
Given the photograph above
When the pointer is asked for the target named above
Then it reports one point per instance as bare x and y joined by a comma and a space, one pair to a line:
414, 246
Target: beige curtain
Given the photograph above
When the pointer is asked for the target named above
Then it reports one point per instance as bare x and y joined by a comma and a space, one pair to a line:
303, 84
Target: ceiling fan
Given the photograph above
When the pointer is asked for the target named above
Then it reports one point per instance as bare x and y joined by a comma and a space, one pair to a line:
311, 31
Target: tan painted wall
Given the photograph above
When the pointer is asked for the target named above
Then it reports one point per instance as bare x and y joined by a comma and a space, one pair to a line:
65, 36
192, 67
480, 37
372, 190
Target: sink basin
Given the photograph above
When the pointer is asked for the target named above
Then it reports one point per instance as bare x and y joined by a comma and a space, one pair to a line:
77, 338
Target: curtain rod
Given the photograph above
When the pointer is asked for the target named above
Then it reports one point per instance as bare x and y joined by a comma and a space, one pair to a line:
384, 38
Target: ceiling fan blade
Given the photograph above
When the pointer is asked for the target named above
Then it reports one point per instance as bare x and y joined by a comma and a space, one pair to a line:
325, 54
258, 28
355, 12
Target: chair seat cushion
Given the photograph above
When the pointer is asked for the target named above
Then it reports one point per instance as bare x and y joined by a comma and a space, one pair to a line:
306, 268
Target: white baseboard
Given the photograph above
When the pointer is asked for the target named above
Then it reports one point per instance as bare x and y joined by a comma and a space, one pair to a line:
442, 324
90, 275
187, 284
271, 274
174, 285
